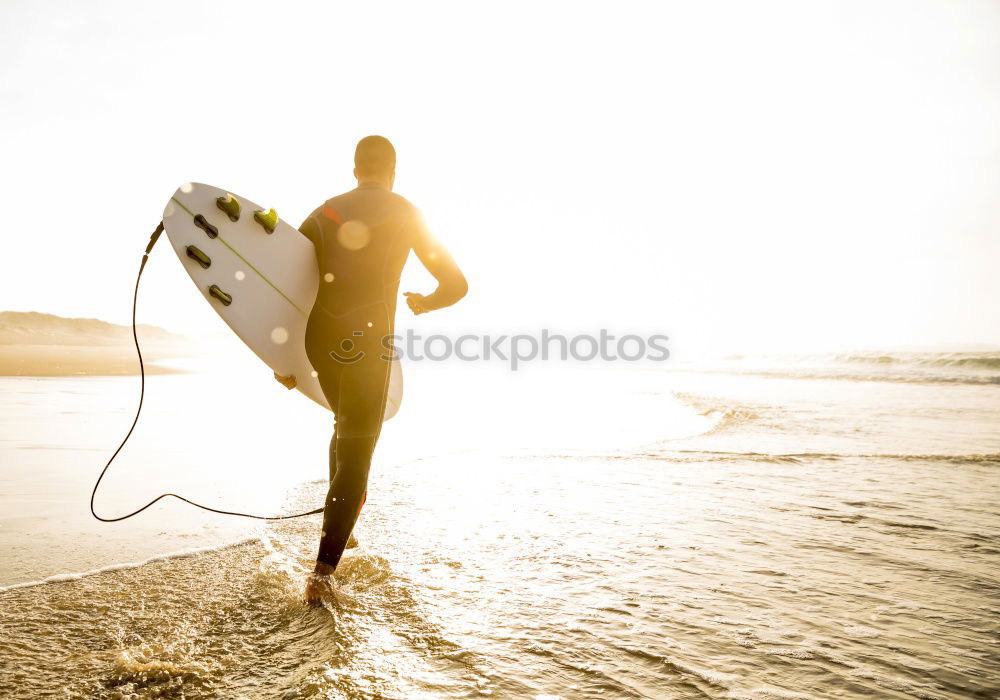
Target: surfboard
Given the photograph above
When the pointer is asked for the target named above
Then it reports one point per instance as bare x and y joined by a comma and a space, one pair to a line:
259, 274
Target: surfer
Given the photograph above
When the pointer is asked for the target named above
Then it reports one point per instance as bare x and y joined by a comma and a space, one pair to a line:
362, 239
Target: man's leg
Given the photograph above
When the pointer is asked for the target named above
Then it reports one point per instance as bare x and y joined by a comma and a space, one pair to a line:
345, 496
360, 402
352, 541
333, 454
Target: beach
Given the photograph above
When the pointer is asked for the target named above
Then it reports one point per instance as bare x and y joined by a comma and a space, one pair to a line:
813, 527
34, 344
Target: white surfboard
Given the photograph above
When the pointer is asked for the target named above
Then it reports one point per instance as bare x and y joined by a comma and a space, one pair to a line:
259, 274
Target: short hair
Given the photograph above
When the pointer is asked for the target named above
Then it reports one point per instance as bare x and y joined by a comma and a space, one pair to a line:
374, 156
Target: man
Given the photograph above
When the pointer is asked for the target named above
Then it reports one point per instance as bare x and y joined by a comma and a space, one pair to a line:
362, 239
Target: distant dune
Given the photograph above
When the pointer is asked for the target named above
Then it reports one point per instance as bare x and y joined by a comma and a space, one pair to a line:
44, 345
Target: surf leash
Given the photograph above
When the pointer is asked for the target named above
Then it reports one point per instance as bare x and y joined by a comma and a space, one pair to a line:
142, 394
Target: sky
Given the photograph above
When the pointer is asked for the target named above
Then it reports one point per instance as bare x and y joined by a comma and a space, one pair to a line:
772, 176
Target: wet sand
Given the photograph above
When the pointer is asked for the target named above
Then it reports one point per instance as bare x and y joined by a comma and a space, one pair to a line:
77, 360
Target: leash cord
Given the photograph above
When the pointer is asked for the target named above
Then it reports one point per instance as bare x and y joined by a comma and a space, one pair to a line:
142, 394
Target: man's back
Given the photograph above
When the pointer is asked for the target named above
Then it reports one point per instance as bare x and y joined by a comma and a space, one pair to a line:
362, 239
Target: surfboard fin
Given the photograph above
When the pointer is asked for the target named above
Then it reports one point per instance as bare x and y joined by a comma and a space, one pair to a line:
268, 219
202, 223
220, 295
199, 257
230, 205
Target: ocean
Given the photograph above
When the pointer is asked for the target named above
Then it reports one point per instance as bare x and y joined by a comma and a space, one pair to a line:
821, 526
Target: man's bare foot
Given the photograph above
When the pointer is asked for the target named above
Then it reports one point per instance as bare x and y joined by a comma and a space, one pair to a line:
319, 584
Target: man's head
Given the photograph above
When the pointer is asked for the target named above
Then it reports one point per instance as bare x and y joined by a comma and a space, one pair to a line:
375, 160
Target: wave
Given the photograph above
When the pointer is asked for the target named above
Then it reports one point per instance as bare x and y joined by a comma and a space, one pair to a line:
721, 418
969, 360
868, 359
916, 377
904, 367
179, 554
730, 418
687, 456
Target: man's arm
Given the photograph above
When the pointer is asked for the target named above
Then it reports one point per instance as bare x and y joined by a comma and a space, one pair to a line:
310, 229
452, 285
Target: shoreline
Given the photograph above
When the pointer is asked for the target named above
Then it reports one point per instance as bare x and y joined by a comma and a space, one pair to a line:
177, 554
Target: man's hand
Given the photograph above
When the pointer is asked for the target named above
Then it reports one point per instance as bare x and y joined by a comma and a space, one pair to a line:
287, 382
416, 302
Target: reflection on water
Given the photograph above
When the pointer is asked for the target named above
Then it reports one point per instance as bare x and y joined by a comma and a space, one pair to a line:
763, 537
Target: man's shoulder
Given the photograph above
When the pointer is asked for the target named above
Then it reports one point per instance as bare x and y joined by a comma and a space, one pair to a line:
384, 195
405, 204
387, 201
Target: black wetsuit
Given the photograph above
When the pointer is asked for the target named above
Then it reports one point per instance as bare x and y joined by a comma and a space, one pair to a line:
362, 239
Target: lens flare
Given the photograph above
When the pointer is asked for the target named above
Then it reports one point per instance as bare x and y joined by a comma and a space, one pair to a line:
353, 234
279, 336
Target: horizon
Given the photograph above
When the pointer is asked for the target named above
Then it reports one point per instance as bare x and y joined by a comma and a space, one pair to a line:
226, 334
